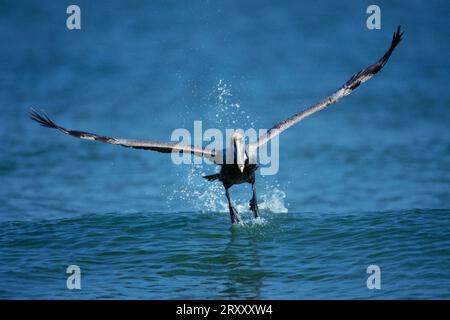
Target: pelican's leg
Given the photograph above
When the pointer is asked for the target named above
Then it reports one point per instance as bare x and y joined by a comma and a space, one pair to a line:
254, 202
235, 217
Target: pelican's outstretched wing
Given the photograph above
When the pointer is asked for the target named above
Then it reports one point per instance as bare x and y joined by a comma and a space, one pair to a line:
354, 82
164, 147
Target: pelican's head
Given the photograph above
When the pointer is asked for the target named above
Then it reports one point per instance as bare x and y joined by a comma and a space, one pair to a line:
239, 148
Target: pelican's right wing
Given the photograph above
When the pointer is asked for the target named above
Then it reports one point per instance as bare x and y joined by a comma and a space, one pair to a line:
354, 82
164, 147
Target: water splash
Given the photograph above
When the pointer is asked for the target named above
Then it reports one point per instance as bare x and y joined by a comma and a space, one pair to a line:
206, 196
273, 201
227, 110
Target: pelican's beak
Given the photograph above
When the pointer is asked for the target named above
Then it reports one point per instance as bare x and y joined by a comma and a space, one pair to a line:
240, 153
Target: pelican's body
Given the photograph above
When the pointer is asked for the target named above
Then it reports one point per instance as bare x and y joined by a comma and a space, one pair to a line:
231, 174
241, 170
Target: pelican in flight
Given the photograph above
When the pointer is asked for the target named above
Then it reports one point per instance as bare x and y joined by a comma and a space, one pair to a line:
240, 170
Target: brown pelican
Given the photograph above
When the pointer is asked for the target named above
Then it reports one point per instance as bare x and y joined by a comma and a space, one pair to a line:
240, 170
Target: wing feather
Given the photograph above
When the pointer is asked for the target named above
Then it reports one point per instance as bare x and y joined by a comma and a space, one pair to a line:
354, 82
164, 147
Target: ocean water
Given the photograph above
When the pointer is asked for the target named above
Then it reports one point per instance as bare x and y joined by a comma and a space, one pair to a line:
365, 182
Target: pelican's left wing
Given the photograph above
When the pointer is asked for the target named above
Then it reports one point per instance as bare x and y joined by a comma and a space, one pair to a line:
164, 147
355, 81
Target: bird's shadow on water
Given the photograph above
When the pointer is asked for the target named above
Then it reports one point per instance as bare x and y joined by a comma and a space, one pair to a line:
242, 257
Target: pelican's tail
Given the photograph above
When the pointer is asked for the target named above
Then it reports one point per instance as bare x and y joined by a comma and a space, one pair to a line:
212, 177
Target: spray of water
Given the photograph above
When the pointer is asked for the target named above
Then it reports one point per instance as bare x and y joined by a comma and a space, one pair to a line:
227, 110
207, 196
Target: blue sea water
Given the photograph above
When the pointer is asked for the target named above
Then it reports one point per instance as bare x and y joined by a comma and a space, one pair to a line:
365, 182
